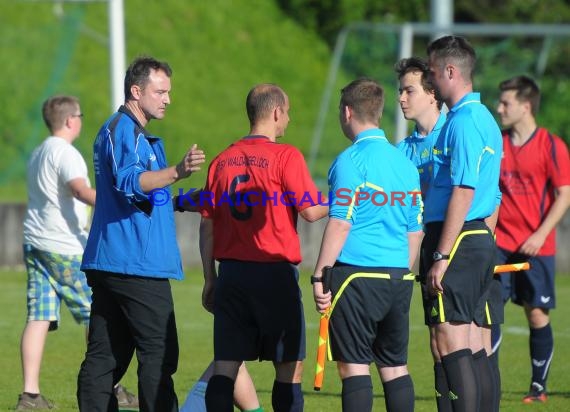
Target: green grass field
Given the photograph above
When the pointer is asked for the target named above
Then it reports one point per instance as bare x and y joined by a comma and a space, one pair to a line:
65, 349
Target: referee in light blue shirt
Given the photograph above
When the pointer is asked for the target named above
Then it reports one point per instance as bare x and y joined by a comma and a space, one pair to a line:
372, 235
458, 251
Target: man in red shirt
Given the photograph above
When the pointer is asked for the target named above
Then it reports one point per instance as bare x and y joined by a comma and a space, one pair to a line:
256, 189
535, 182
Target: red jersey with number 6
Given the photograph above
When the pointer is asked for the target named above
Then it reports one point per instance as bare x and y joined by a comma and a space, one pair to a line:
529, 176
254, 191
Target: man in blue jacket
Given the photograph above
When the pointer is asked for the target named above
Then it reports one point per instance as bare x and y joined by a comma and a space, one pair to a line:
131, 251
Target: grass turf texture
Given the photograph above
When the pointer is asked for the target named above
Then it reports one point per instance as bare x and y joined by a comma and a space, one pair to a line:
65, 348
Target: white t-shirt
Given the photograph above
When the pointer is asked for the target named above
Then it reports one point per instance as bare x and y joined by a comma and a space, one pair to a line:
55, 220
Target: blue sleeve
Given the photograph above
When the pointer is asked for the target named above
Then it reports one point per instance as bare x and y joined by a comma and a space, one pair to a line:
416, 210
404, 147
344, 180
127, 164
466, 151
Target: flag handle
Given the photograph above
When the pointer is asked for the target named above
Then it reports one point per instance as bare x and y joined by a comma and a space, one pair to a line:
512, 267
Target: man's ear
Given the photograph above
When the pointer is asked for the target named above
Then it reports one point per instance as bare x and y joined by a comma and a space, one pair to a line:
450, 71
136, 91
528, 107
277, 113
347, 113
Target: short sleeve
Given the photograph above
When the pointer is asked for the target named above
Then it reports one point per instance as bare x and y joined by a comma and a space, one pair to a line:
344, 181
559, 168
72, 165
297, 180
206, 207
415, 215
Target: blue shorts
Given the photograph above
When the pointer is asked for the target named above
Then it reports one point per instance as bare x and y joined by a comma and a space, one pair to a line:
258, 312
533, 287
52, 278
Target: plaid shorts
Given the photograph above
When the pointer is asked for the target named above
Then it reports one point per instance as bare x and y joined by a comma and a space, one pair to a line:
52, 278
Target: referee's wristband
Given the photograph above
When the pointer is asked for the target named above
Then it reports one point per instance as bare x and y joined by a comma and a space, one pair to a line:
316, 279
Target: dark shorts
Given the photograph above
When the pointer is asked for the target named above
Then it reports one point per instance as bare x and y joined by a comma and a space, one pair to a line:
468, 275
258, 312
535, 286
370, 315
490, 309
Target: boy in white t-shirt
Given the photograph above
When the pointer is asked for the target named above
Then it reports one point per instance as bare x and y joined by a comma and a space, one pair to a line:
59, 194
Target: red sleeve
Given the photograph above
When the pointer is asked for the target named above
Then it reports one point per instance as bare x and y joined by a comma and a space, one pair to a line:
559, 167
206, 207
297, 180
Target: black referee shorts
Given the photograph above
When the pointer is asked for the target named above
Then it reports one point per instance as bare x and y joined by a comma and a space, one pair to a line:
370, 315
468, 275
491, 309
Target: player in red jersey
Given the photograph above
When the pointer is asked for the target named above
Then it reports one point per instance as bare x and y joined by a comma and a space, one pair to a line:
256, 189
535, 182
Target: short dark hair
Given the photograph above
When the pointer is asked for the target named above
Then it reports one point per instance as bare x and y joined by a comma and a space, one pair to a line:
57, 109
456, 50
416, 64
262, 99
526, 91
365, 97
139, 71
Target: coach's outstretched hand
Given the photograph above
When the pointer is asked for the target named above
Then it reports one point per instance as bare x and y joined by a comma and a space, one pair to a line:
191, 162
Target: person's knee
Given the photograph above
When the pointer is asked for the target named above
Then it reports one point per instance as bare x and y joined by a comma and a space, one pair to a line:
537, 317
476, 342
394, 372
291, 372
227, 368
451, 337
347, 370
433, 346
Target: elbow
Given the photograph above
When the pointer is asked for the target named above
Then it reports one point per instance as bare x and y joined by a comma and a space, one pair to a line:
314, 213
309, 217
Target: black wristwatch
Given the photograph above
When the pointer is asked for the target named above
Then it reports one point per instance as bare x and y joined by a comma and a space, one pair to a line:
315, 279
437, 256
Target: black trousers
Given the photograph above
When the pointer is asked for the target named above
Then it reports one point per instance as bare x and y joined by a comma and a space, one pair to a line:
129, 313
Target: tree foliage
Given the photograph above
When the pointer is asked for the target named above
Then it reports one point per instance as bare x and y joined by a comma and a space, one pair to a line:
328, 17
372, 53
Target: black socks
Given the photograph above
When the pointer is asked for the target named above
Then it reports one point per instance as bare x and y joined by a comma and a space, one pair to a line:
357, 394
399, 394
462, 381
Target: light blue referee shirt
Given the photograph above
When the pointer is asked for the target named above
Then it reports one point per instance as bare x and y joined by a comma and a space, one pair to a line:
467, 153
375, 188
419, 149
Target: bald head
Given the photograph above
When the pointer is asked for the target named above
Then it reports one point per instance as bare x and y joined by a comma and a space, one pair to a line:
262, 100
